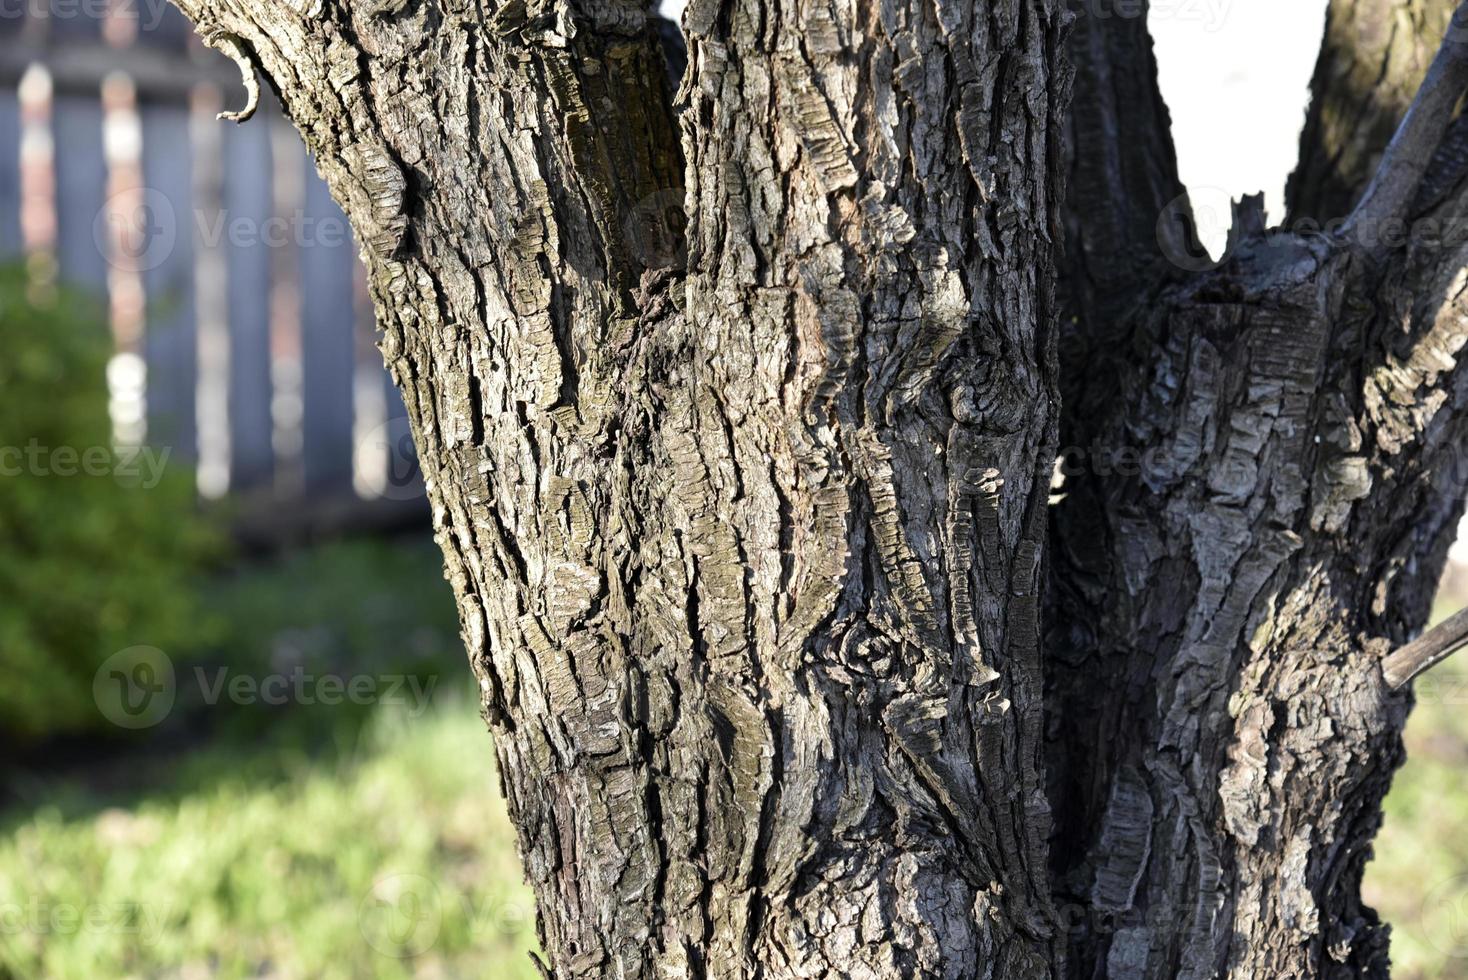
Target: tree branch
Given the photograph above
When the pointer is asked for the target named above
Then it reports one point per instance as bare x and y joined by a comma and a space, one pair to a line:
1122, 175
1121, 165
1371, 64
1401, 666
1390, 193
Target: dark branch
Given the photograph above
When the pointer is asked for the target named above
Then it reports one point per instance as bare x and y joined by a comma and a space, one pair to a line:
1126, 210
1427, 651
1407, 157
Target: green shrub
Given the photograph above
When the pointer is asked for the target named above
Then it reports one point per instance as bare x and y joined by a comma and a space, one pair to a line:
362, 607
95, 555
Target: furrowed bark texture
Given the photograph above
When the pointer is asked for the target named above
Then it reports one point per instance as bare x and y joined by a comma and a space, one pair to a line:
1260, 488
738, 422
745, 519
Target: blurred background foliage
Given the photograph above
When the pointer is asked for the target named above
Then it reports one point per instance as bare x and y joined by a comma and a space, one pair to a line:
89, 562
1419, 879
237, 838
305, 840
252, 840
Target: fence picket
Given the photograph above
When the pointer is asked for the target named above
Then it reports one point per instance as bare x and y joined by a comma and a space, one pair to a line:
170, 341
327, 326
213, 320
81, 191
247, 204
9, 175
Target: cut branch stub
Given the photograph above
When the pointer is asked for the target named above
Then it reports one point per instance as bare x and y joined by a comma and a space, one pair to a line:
1427, 651
237, 50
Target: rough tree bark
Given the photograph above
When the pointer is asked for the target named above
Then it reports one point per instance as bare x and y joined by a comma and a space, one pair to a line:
1259, 493
738, 410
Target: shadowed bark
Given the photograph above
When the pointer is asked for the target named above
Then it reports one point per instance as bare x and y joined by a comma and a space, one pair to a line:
1256, 509
738, 409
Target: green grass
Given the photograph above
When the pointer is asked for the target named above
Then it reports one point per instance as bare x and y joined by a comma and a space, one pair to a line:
393, 860
247, 839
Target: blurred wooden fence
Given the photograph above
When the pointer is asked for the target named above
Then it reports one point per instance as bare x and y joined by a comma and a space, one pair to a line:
244, 337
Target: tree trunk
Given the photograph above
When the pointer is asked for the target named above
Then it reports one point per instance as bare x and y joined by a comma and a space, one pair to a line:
739, 420
1258, 498
746, 532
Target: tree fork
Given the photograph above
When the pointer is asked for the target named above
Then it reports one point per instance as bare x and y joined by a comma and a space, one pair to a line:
1222, 733
746, 511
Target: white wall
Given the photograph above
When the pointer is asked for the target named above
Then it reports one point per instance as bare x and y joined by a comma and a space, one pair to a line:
1236, 75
